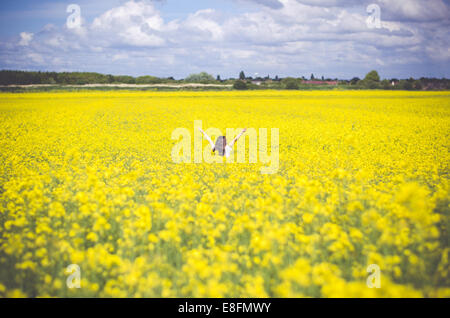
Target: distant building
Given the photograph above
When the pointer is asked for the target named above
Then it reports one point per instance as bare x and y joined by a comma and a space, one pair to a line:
394, 82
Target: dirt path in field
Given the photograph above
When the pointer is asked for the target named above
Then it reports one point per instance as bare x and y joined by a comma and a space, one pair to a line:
123, 85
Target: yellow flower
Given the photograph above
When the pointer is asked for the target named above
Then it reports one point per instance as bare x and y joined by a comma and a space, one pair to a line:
92, 237
307, 218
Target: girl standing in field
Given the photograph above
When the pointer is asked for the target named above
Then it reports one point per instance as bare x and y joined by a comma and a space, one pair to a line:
221, 145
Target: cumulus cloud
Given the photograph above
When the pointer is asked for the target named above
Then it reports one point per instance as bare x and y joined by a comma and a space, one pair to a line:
274, 4
414, 10
203, 25
35, 57
25, 38
134, 23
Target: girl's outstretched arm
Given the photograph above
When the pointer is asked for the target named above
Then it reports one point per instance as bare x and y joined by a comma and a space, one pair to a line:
207, 138
238, 136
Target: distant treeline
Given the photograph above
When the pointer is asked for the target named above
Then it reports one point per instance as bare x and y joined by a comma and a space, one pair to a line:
371, 81
74, 78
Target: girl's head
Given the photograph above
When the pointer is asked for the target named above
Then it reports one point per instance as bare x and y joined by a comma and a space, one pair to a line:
221, 142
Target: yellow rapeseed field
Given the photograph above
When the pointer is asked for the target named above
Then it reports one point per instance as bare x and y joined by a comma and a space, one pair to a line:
87, 178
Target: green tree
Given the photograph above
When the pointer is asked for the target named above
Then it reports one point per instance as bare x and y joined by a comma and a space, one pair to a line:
202, 77
290, 83
148, 80
240, 85
372, 76
371, 81
242, 76
50, 80
417, 85
385, 84
354, 80
405, 85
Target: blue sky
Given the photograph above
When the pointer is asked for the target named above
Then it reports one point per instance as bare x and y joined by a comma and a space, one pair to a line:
276, 37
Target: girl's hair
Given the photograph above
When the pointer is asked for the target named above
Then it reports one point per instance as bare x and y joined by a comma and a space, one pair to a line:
220, 145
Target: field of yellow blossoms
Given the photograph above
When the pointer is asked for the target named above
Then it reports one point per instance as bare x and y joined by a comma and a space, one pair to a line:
87, 178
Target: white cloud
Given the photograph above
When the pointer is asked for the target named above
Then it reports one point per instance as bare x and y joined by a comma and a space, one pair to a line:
439, 53
119, 56
25, 38
133, 23
57, 61
414, 10
274, 4
36, 58
203, 23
